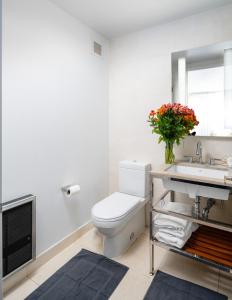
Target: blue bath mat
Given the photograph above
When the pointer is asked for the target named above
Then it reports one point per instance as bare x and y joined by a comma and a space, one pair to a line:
167, 287
87, 276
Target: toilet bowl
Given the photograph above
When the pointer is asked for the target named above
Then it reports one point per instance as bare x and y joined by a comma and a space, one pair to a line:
120, 218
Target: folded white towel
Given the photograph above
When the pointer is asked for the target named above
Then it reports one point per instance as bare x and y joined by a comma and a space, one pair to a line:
171, 240
172, 230
180, 233
161, 220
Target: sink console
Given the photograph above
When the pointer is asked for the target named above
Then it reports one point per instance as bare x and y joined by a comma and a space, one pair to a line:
205, 174
197, 180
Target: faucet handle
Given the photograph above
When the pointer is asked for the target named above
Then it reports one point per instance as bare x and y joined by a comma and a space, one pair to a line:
199, 149
212, 160
190, 158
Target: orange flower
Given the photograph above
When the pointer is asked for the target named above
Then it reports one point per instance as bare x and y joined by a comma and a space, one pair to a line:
178, 109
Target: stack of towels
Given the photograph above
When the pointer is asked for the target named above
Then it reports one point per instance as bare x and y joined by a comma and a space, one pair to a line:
171, 230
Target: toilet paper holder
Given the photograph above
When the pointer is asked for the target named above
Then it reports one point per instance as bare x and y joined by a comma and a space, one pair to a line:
70, 190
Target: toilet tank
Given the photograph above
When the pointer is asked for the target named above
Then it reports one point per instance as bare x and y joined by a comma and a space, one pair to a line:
134, 178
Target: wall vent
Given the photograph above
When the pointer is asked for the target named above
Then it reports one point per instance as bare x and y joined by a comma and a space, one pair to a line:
18, 233
97, 48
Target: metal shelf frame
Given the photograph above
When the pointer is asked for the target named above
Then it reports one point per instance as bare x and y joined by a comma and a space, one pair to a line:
157, 208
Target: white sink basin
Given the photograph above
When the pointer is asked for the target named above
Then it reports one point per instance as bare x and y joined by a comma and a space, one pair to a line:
194, 181
198, 171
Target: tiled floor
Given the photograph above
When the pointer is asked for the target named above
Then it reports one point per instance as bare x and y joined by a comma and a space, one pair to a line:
137, 280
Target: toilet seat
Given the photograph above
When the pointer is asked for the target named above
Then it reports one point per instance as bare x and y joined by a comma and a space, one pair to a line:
115, 207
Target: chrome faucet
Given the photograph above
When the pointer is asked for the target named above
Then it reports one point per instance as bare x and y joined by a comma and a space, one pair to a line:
199, 151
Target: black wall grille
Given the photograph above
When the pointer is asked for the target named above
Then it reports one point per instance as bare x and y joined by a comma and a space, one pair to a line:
17, 235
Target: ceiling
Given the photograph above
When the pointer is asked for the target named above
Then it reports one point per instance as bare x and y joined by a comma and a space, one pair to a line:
117, 17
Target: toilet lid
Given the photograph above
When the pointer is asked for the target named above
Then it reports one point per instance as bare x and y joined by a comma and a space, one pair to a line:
115, 206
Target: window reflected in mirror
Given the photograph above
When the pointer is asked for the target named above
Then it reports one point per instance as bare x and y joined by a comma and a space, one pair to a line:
202, 79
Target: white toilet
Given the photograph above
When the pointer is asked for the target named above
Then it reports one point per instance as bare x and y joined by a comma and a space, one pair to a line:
120, 218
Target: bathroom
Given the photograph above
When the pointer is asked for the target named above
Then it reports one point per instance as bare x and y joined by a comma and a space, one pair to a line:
79, 79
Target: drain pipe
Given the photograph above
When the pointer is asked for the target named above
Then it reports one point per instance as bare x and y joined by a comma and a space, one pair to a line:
210, 203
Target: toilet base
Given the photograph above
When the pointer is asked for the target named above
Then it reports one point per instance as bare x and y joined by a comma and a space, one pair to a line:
118, 244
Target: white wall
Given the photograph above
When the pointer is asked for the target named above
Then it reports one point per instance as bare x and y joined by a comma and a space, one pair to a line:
55, 115
140, 80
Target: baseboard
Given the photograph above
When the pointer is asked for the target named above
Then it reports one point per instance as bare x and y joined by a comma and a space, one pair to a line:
16, 278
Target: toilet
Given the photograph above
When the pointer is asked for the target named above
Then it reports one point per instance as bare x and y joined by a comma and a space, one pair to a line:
120, 218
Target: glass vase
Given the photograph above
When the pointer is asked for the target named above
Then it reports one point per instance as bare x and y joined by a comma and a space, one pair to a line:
169, 155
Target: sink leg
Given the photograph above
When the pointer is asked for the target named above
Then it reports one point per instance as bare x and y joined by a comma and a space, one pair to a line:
152, 271
172, 198
151, 246
197, 209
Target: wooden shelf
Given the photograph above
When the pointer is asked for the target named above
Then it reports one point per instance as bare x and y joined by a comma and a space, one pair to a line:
211, 244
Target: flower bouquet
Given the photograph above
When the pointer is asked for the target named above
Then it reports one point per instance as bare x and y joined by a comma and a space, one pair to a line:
172, 122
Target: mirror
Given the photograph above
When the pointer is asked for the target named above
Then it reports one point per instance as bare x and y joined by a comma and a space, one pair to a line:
202, 80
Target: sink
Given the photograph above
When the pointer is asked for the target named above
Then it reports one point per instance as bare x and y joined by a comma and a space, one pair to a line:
199, 171
196, 180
